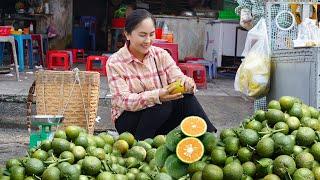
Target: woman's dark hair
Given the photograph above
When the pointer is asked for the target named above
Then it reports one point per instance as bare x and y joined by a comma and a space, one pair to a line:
135, 17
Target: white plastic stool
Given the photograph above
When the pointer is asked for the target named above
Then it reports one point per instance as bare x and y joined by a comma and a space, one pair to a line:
11, 40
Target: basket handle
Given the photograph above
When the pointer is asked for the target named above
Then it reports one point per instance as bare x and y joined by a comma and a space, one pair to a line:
76, 81
29, 104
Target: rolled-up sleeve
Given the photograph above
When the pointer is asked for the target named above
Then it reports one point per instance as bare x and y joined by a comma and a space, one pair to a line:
121, 95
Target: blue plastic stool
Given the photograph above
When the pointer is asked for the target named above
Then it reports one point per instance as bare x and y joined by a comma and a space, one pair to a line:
211, 65
19, 39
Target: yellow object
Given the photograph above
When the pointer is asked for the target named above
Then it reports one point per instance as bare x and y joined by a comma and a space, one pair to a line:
169, 37
254, 75
296, 10
179, 88
16, 32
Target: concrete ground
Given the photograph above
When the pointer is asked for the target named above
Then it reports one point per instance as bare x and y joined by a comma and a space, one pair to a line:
225, 108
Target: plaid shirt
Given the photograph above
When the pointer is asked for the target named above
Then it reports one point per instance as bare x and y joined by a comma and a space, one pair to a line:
135, 85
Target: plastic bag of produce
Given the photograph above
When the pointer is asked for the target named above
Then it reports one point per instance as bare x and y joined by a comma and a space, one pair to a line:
253, 75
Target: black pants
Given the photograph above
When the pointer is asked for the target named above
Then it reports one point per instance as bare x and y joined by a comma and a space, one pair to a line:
161, 118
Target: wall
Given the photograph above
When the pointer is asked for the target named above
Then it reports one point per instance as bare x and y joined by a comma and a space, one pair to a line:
188, 33
61, 19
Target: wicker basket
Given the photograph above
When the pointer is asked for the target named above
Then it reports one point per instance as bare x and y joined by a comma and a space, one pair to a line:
73, 94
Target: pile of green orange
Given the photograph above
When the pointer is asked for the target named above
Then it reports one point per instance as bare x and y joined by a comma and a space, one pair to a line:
73, 154
184, 149
280, 143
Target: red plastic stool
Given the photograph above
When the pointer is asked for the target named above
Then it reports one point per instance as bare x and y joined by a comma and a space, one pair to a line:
75, 55
69, 52
191, 58
172, 49
103, 62
58, 60
195, 71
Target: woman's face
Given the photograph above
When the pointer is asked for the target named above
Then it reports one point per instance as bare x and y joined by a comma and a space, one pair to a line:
141, 37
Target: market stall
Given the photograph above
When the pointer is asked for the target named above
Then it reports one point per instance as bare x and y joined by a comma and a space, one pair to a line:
290, 30
295, 57
282, 142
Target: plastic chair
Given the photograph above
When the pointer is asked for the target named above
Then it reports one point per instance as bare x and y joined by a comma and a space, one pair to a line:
10, 39
20, 41
210, 65
172, 48
58, 60
103, 62
64, 51
195, 71
89, 22
80, 37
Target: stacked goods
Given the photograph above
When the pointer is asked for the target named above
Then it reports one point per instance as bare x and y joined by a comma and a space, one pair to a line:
280, 143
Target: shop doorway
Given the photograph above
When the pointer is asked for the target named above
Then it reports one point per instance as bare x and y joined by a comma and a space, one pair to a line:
85, 28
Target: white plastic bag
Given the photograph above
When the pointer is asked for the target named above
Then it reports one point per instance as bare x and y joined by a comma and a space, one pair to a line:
308, 34
253, 75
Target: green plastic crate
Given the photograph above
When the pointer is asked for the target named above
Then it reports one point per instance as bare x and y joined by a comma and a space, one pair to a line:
228, 14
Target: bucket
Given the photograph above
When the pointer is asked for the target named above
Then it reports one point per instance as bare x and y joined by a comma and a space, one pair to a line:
118, 22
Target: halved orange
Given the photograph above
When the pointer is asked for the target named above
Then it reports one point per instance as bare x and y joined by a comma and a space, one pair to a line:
190, 150
193, 126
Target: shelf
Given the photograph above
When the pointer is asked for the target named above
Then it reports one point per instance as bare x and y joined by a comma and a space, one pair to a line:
44, 15
28, 17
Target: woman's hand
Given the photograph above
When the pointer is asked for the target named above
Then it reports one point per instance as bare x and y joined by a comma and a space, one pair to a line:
164, 94
188, 84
